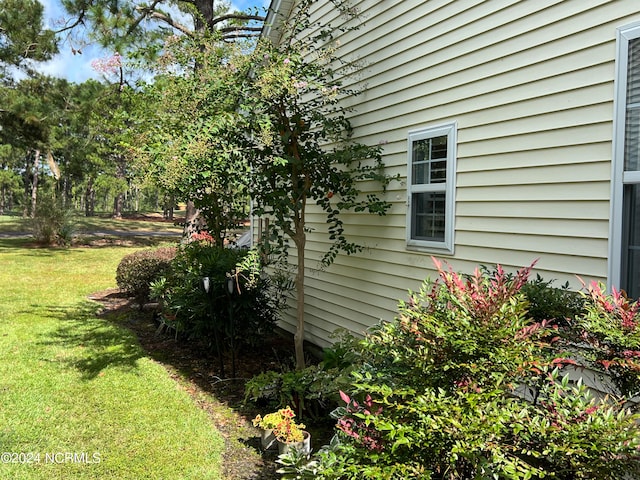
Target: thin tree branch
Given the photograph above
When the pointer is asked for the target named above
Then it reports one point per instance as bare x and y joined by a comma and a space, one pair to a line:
79, 21
236, 16
144, 12
178, 26
229, 38
240, 29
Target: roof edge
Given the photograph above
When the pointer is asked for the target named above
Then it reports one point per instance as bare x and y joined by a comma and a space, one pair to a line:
278, 11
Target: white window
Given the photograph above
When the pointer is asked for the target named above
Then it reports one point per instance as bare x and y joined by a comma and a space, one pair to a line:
431, 188
624, 263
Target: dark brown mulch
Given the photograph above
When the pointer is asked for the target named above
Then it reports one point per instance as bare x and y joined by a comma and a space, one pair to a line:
198, 372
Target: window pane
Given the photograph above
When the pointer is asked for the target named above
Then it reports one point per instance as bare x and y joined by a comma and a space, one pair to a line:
428, 216
632, 127
633, 73
631, 239
439, 147
632, 140
439, 171
429, 161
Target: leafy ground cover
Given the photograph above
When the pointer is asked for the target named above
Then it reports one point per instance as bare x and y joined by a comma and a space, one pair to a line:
80, 397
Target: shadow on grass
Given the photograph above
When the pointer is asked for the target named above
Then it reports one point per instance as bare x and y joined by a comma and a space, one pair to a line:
14, 242
92, 344
194, 366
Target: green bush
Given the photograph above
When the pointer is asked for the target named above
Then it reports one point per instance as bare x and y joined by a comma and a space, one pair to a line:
137, 271
225, 321
52, 223
463, 384
313, 391
547, 302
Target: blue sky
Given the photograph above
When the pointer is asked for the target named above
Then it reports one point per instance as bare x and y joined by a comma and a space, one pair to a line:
77, 67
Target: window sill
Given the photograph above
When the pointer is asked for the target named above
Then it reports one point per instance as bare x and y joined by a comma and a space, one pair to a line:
434, 249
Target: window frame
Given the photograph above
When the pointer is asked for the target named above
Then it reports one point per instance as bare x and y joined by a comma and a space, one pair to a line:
448, 187
619, 177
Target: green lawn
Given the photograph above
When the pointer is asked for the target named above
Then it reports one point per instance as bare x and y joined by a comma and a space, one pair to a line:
82, 224
78, 397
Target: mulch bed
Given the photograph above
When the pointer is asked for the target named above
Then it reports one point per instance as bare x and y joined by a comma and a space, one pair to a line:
197, 371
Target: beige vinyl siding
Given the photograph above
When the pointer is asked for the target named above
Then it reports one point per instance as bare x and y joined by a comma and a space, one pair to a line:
530, 85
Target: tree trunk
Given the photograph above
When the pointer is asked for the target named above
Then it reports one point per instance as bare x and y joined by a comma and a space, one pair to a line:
300, 241
34, 183
117, 205
169, 208
118, 201
202, 21
192, 221
206, 9
90, 199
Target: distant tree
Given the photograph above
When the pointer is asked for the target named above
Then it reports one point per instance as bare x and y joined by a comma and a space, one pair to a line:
77, 142
54, 127
10, 180
32, 109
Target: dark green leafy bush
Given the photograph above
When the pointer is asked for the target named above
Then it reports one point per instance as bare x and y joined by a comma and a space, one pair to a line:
463, 384
226, 321
547, 302
137, 271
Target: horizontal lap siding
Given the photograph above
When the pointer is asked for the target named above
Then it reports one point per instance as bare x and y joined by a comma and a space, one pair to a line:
530, 85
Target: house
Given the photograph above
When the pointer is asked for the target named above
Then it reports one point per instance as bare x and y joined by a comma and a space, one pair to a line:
515, 126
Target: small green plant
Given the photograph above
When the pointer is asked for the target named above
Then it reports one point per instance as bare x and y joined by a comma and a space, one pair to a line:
325, 464
314, 391
137, 271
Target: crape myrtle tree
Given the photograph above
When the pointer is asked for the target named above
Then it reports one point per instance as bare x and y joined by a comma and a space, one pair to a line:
300, 148
188, 143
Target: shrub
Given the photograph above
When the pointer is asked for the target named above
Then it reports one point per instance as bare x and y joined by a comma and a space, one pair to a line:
224, 321
137, 271
52, 222
547, 302
610, 326
314, 390
463, 384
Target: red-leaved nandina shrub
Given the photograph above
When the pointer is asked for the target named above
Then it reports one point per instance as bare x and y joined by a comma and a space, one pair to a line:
464, 385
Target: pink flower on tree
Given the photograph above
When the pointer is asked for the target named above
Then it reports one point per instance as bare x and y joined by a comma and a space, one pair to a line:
107, 65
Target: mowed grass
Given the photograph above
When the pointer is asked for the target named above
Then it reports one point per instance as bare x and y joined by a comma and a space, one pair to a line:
78, 397
82, 225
